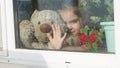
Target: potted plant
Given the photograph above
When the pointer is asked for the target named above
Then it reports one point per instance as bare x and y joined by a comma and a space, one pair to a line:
97, 14
91, 38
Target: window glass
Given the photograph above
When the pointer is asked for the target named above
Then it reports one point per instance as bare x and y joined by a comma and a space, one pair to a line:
64, 25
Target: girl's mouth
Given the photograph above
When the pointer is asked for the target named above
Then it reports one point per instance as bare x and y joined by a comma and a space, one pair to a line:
70, 32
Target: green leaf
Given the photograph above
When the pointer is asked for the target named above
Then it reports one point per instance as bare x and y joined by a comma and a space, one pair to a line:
89, 46
94, 47
84, 30
95, 19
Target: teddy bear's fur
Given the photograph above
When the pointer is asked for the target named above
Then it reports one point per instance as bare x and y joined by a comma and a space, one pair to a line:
33, 32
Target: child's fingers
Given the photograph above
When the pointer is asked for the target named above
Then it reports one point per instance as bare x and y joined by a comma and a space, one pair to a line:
53, 28
58, 31
64, 36
49, 36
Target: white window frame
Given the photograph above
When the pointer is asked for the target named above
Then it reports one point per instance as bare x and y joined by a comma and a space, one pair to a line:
58, 59
3, 42
3, 34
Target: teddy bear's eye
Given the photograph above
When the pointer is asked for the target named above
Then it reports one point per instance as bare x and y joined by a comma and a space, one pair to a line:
39, 22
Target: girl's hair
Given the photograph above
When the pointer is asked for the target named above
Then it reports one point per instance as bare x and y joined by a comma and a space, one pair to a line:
74, 6
71, 4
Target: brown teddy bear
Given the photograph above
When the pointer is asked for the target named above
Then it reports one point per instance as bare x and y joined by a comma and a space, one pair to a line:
33, 32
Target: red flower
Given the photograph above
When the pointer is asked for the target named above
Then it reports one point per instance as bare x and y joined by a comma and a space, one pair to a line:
83, 42
92, 38
83, 37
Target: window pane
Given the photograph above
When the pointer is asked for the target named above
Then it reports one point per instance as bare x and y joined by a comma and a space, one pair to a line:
80, 19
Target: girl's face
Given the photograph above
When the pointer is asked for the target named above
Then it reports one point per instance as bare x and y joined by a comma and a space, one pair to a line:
71, 20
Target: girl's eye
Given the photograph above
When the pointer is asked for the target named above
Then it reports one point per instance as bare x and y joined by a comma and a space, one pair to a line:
39, 22
74, 21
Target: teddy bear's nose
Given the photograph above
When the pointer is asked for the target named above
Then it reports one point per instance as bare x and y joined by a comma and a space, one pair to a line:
45, 28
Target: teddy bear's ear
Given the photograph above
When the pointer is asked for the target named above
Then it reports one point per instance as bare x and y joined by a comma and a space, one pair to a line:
35, 13
23, 24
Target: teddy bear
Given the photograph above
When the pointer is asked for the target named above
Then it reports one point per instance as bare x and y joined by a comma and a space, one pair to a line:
33, 32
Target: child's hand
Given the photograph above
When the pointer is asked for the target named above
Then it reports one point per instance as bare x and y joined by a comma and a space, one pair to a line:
57, 38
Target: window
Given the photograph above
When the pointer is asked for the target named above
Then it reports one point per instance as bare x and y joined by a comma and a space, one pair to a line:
51, 57
34, 36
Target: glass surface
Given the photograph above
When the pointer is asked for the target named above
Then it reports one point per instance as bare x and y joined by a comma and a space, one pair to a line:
33, 20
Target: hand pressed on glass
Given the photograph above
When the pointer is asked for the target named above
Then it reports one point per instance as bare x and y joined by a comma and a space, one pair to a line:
57, 38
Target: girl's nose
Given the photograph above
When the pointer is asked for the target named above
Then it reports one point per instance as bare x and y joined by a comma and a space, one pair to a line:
69, 26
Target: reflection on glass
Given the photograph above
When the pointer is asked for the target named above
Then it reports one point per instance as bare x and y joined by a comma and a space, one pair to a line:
69, 25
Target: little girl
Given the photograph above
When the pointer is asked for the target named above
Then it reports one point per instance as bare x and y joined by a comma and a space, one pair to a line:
71, 17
